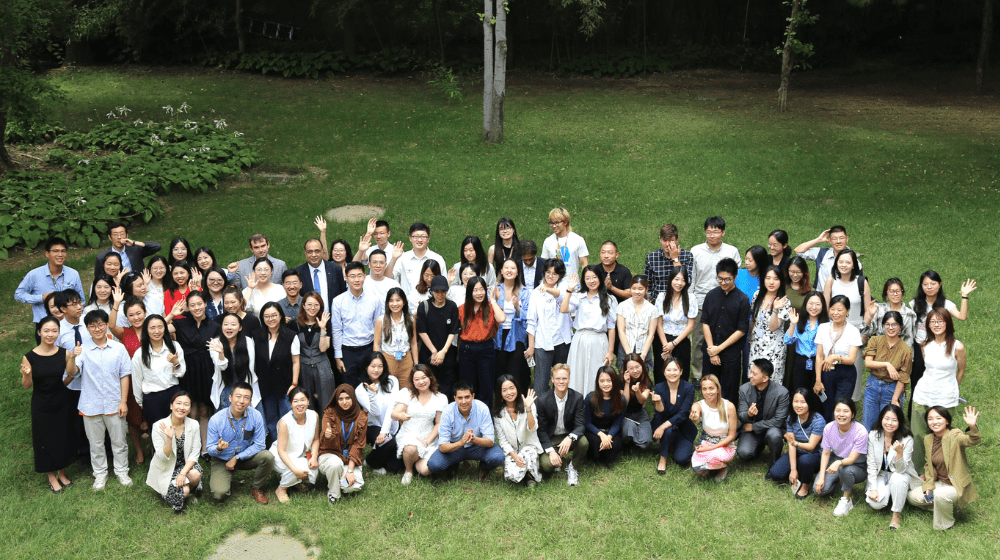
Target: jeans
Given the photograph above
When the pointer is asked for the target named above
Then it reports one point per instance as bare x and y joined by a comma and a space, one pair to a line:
489, 457
477, 363
673, 439
274, 408
513, 363
544, 360
806, 463
838, 382
878, 394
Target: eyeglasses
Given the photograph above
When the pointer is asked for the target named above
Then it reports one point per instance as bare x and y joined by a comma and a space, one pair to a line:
554, 224
420, 237
891, 325
270, 316
215, 280
724, 279
313, 251
895, 292
505, 228
936, 322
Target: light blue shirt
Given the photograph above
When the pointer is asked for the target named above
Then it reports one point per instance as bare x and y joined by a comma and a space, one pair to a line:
805, 343
101, 371
454, 425
126, 264
39, 282
67, 340
245, 436
352, 319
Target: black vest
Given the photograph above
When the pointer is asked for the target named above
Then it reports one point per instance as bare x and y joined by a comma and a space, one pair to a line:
274, 373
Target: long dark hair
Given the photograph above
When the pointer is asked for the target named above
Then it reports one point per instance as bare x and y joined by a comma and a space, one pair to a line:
855, 269
759, 255
405, 312
901, 432
433, 266
383, 380
920, 302
949, 329
220, 272
804, 285
602, 292
617, 402
211, 255
668, 293
187, 247
762, 290
485, 309
498, 247
348, 252
128, 284
169, 285
499, 404
146, 345
823, 316
518, 280
93, 287
239, 357
477, 246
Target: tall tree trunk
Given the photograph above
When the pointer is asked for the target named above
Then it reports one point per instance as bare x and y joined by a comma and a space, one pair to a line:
499, 75
787, 59
6, 163
437, 21
239, 26
487, 69
985, 43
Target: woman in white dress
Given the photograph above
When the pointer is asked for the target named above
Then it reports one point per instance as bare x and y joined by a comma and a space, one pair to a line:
419, 415
593, 343
260, 289
516, 429
296, 451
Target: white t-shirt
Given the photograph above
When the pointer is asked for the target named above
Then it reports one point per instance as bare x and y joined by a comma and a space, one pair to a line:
379, 287
569, 249
850, 337
921, 335
296, 347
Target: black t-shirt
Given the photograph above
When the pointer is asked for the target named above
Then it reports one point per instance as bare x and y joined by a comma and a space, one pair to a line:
621, 278
437, 323
725, 314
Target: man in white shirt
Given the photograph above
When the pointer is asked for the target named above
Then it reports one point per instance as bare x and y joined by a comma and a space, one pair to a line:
244, 267
405, 267
564, 244
706, 256
824, 257
379, 231
376, 282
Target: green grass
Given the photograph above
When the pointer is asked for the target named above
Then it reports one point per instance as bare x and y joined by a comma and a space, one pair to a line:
913, 194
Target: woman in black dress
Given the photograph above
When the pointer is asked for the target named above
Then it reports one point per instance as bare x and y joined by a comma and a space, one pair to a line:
193, 330
48, 369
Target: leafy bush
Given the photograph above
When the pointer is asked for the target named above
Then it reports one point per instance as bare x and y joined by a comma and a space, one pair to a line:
315, 64
18, 132
446, 82
624, 63
148, 159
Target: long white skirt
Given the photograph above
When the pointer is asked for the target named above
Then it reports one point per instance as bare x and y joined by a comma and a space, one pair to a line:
288, 478
586, 356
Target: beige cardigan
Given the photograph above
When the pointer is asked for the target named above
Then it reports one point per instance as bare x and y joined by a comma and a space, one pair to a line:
161, 467
953, 445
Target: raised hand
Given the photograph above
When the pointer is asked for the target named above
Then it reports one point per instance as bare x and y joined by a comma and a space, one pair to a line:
779, 303
657, 398
529, 399
397, 250
320, 223
968, 287
167, 430
172, 357
824, 237
222, 445
364, 243
793, 316
233, 267
635, 388
970, 416
180, 306
251, 280
215, 345
117, 295
323, 319
452, 274
121, 274
371, 227
195, 278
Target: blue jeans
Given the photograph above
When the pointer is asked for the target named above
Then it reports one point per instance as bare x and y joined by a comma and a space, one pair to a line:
878, 393
489, 457
838, 382
274, 408
683, 448
806, 463
477, 365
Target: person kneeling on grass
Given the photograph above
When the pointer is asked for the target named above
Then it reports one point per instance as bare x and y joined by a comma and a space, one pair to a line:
516, 426
174, 471
296, 450
236, 442
466, 434
891, 474
803, 432
845, 449
561, 426
342, 443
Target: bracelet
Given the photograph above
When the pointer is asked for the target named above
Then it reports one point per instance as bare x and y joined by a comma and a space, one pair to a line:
965, 297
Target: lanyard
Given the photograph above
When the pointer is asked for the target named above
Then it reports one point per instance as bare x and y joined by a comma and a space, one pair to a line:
239, 437
345, 433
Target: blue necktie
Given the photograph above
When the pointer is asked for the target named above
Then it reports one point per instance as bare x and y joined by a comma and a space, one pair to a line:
316, 282
76, 334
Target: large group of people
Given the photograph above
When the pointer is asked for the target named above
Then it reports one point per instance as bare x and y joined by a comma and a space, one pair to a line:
533, 363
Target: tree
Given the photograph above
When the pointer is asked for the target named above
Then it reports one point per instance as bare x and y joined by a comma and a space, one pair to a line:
494, 69
985, 42
800, 16
26, 25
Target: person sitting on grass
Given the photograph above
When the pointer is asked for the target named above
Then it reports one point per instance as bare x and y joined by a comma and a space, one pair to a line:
845, 449
174, 471
561, 426
296, 450
603, 415
342, 441
891, 473
516, 427
717, 445
803, 432
763, 409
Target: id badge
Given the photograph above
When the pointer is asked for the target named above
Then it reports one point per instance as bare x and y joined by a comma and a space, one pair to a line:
399, 355
809, 364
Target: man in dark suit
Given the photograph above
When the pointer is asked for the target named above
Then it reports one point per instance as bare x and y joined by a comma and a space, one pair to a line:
762, 412
133, 253
321, 276
560, 426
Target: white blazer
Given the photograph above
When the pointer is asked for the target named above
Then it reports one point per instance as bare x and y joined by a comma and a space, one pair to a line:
161, 467
221, 365
897, 464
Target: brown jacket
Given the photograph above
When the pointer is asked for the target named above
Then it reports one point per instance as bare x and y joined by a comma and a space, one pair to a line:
334, 444
953, 445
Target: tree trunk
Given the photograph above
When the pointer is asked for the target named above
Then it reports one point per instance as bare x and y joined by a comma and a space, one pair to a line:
6, 163
239, 26
487, 69
437, 21
787, 59
985, 43
499, 75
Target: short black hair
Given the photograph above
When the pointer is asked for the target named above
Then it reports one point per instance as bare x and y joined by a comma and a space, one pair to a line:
727, 265
463, 386
242, 385
353, 265
765, 366
94, 316
53, 241
114, 225
716, 222
382, 223
378, 252
419, 226
64, 298
290, 272
528, 247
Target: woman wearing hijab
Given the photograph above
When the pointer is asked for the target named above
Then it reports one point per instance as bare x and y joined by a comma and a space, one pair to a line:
343, 434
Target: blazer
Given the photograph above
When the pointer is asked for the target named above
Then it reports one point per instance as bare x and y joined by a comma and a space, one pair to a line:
572, 416
775, 411
902, 464
679, 414
161, 467
335, 283
136, 256
274, 372
953, 446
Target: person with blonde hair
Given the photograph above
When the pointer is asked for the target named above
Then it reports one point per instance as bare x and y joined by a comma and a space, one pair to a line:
717, 445
565, 244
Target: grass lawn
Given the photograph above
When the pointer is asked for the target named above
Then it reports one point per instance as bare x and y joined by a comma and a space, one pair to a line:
914, 180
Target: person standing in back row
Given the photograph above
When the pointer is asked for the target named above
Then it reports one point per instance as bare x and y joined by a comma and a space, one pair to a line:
824, 257
243, 268
706, 256
725, 318
405, 267
564, 244
50, 277
132, 253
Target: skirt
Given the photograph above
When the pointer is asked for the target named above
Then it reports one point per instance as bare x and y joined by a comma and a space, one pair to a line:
715, 459
636, 429
586, 356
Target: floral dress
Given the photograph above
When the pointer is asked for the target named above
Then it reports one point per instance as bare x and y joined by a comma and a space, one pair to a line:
768, 344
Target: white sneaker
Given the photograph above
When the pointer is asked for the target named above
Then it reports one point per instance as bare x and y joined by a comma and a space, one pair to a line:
572, 476
378, 471
125, 480
843, 507
99, 483
407, 478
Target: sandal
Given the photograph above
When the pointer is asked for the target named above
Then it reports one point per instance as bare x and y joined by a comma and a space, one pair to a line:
53, 488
